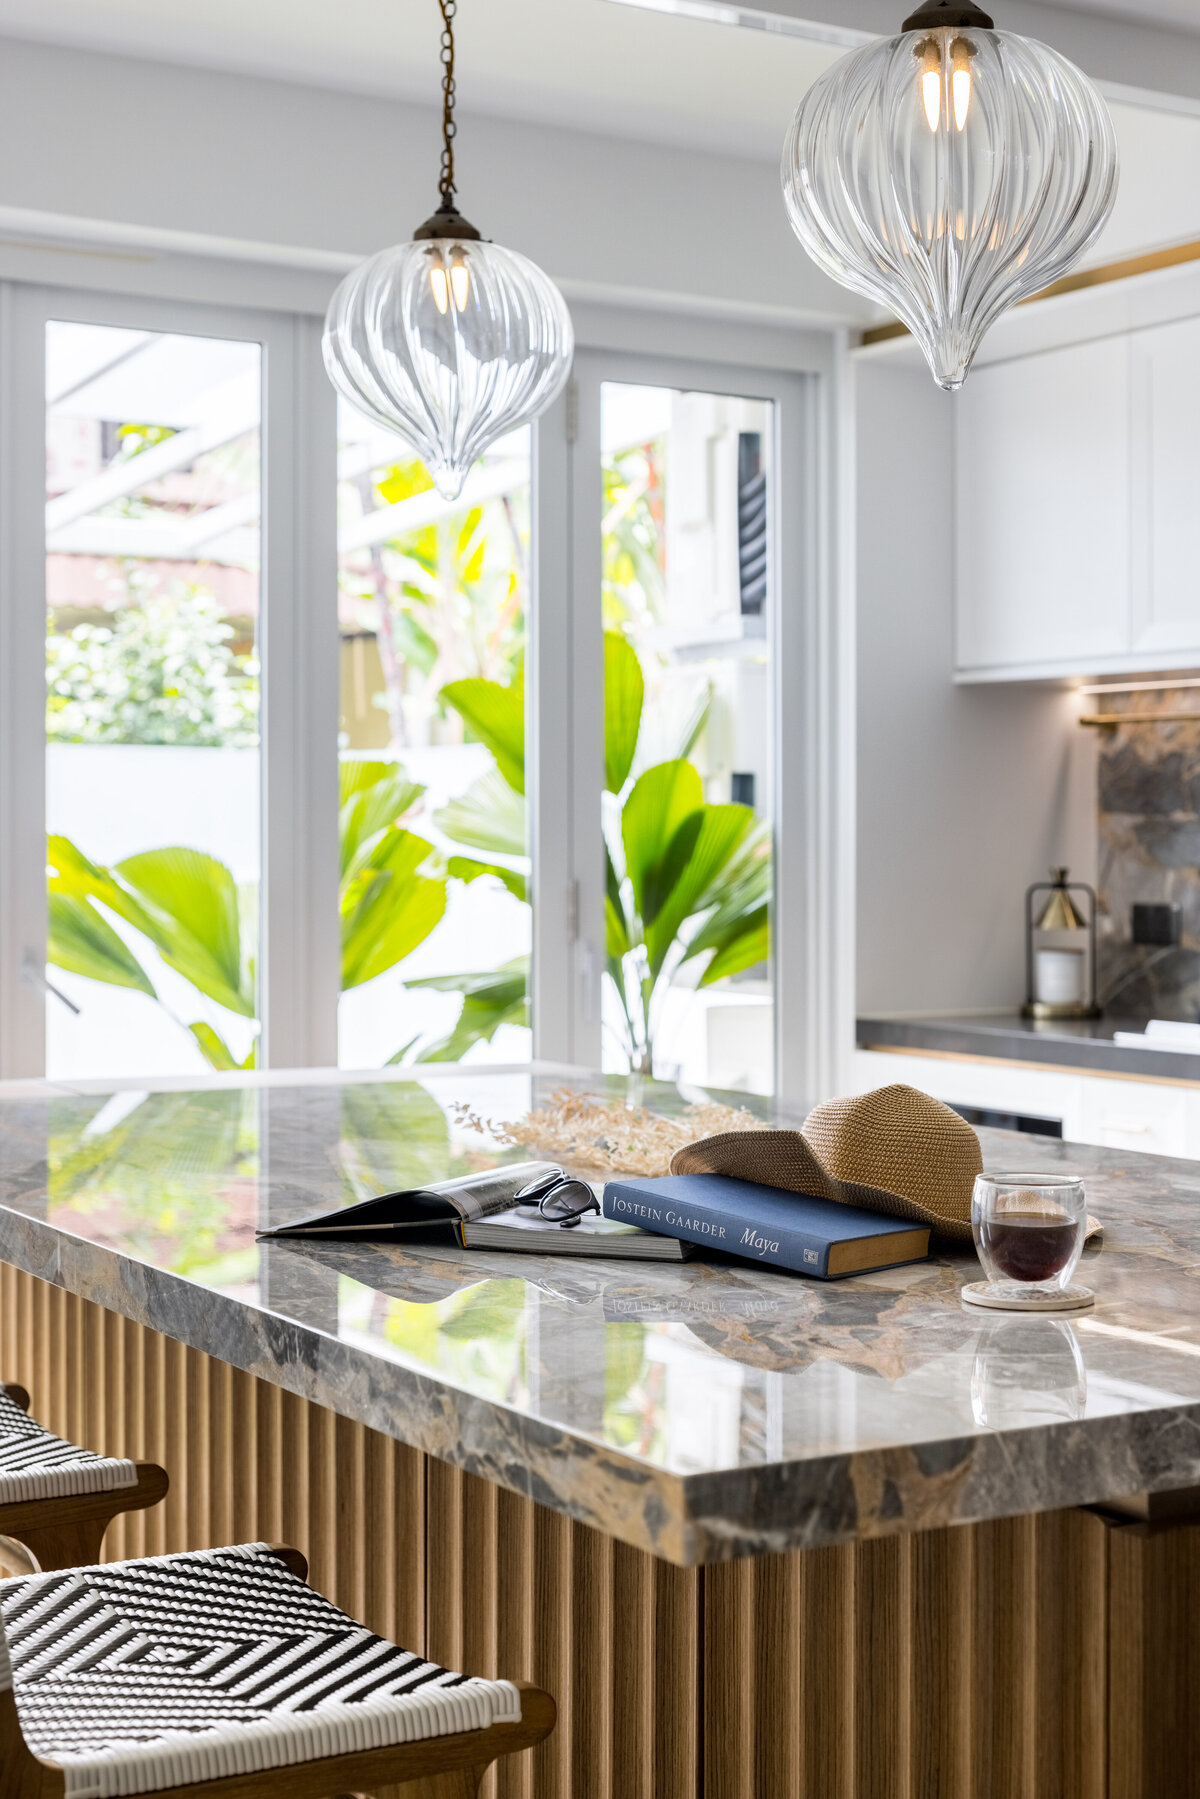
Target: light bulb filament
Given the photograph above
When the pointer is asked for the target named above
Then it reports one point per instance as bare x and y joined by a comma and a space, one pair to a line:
961, 53
452, 285
929, 55
931, 81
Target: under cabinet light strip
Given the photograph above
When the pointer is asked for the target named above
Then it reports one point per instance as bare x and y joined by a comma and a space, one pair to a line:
1110, 720
1140, 686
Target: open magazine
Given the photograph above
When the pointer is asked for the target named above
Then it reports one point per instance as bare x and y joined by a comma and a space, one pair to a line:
495, 1209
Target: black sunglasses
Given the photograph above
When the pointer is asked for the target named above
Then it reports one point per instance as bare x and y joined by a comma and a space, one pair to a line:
559, 1198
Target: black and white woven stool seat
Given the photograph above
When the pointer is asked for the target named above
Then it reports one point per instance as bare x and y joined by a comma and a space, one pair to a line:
179, 1669
35, 1464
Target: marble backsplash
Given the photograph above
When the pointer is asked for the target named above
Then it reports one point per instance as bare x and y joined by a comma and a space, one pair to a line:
1149, 851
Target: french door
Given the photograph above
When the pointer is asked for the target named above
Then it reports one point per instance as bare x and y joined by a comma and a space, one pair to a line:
679, 693
168, 781
654, 872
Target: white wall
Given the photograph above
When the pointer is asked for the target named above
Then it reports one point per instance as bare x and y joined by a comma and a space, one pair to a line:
966, 794
106, 137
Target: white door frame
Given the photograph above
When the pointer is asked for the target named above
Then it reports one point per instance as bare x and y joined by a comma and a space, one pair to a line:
300, 972
813, 751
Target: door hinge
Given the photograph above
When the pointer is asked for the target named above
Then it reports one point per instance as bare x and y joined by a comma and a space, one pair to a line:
572, 410
572, 911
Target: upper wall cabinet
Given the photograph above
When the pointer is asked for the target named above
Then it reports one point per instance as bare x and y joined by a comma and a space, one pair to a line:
1043, 538
1166, 494
1078, 510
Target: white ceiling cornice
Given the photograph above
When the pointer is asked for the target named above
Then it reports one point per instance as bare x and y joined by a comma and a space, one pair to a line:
1131, 46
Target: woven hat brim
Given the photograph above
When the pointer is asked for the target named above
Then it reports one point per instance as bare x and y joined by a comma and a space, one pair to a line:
786, 1160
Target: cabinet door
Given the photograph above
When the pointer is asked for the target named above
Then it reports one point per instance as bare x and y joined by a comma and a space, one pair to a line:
1042, 457
1166, 512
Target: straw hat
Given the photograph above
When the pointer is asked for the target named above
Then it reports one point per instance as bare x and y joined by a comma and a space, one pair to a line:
895, 1150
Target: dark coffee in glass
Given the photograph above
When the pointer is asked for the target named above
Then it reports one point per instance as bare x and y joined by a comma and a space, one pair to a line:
1027, 1246
1029, 1228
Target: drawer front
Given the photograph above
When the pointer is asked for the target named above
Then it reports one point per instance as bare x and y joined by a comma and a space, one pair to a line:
1137, 1115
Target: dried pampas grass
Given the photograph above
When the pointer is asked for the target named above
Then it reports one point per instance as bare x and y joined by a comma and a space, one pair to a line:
584, 1131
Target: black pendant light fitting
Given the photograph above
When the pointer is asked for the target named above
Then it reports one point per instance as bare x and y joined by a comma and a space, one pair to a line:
447, 221
948, 14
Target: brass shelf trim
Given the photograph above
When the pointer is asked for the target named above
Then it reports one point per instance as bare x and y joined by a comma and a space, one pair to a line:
1124, 270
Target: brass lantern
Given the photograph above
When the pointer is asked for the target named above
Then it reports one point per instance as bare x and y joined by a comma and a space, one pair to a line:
1060, 950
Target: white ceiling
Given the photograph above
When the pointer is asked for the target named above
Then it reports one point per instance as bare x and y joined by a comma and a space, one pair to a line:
587, 63
1184, 15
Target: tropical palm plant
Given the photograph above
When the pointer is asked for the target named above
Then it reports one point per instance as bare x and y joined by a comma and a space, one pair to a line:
688, 883
188, 907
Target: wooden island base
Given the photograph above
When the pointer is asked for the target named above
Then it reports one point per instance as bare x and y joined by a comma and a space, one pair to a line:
1047, 1657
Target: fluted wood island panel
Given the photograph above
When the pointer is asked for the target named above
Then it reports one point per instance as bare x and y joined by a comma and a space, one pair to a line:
969, 1661
943, 1634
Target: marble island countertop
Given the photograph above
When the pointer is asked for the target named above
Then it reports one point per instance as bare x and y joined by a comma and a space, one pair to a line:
700, 1411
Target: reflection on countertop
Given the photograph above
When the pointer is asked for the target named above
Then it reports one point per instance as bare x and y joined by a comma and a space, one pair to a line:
703, 1410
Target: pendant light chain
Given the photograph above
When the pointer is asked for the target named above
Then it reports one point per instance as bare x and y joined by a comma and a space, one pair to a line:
449, 128
448, 340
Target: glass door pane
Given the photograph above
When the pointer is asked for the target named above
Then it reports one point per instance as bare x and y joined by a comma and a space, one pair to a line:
432, 603
688, 605
152, 715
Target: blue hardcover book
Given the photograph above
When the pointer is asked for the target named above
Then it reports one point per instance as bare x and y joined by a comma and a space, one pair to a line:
819, 1237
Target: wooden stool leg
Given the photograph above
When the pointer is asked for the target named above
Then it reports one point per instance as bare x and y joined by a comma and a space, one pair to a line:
464, 1783
66, 1545
15, 1558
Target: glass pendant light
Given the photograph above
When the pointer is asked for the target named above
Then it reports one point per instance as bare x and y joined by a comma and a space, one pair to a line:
948, 173
449, 340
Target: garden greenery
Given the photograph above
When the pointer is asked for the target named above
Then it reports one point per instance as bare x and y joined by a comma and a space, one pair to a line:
687, 881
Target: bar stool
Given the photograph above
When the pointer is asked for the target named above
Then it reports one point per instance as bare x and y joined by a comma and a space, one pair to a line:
220, 1674
58, 1500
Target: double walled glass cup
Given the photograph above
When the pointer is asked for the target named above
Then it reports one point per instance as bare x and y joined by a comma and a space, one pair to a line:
1029, 1229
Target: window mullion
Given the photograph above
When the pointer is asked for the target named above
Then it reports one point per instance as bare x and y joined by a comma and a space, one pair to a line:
548, 762
301, 967
22, 682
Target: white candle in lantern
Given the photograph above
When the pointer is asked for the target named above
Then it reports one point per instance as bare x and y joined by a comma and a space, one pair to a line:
1058, 977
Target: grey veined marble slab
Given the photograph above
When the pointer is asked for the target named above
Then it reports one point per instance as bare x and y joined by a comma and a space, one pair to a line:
703, 1411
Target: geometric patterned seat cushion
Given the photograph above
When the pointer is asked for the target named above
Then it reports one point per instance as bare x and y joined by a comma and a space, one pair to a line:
34, 1464
145, 1675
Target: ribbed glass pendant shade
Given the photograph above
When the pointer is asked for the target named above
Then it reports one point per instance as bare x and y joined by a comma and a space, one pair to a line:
948, 173
452, 343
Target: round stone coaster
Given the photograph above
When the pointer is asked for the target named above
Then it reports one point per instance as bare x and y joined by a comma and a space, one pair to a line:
1015, 1296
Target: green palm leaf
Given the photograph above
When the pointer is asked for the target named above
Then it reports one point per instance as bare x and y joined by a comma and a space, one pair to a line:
744, 948
82, 941
712, 846
373, 795
489, 816
624, 691
659, 824
390, 906
191, 905
489, 1000
467, 869
496, 716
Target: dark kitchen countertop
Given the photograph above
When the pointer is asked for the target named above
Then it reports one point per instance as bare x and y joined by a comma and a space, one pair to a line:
1084, 1043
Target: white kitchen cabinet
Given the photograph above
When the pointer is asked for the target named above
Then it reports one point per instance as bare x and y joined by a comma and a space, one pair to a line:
1043, 485
1078, 510
1166, 491
1153, 1117
1142, 1115
992, 1085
